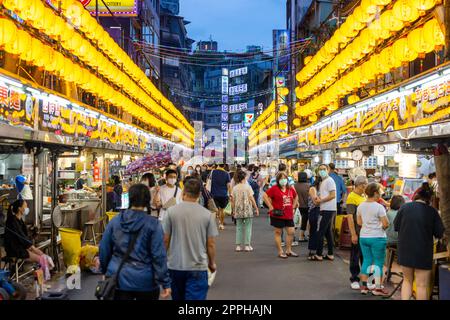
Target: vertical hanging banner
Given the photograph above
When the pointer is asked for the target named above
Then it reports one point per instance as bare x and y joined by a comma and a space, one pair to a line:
97, 175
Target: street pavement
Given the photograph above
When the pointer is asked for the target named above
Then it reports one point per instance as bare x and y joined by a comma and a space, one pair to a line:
261, 274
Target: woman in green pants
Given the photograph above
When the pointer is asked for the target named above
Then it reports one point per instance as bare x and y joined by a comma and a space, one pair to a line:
242, 204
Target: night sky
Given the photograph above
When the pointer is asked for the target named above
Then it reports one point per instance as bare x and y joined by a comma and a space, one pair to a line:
234, 24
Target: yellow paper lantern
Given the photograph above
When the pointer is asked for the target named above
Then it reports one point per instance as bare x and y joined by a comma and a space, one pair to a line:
20, 44
377, 31
307, 60
333, 106
366, 42
362, 16
7, 31
296, 122
402, 52
284, 108
369, 6
390, 22
33, 11
37, 48
353, 99
284, 91
282, 125
418, 42
312, 118
433, 33
423, 5
405, 11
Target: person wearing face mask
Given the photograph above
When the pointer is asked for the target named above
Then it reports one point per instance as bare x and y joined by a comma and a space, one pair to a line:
148, 179
190, 171
281, 200
17, 242
169, 194
328, 208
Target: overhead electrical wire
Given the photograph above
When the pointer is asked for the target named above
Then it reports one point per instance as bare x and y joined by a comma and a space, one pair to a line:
187, 58
214, 54
188, 50
229, 64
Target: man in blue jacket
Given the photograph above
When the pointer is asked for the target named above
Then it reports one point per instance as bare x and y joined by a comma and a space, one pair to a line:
146, 267
341, 188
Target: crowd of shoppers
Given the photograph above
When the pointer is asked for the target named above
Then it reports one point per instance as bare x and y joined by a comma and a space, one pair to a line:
182, 247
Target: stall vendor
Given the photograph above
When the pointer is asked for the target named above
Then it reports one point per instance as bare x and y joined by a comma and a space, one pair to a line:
23, 188
80, 184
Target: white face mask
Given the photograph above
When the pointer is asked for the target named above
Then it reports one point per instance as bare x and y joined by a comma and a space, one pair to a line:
190, 171
171, 181
145, 182
26, 212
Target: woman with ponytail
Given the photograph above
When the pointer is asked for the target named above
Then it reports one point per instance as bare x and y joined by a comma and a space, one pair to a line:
17, 242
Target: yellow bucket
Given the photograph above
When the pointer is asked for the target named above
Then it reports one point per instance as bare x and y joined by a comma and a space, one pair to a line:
71, 244
338, 223
111, 215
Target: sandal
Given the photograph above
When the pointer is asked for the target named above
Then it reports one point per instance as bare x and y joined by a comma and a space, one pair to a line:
282, 256
315, 258
327, 257
292, 254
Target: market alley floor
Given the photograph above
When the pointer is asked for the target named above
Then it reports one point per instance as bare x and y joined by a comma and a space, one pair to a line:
261, 275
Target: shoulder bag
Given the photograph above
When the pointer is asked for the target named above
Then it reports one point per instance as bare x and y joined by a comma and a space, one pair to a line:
280, 212
106, 289
209, 182
172, 201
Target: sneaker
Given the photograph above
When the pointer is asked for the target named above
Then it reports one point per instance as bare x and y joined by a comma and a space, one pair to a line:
221, 227
364, 290
248, 248
295, 243
373, 286
238, 249
355, 285
283, 244
380, 292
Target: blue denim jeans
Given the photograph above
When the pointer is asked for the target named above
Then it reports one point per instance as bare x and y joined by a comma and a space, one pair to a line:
189, 285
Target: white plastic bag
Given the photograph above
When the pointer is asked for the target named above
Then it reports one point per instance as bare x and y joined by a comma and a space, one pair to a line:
211, 277
297, 217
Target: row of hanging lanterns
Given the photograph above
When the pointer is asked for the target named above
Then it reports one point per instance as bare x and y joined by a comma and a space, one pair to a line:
420, 41
357, 21
390, 22
19, 42
46, 20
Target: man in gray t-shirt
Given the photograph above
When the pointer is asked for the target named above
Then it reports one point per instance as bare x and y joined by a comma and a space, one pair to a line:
189, 232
